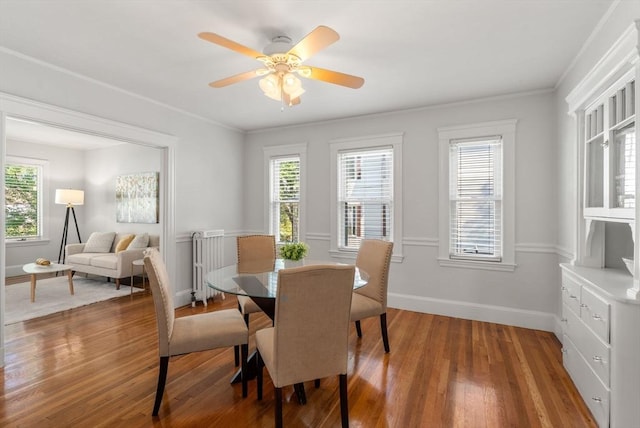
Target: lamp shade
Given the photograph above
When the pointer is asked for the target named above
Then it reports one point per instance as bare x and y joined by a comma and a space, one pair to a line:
270, 85
69, 197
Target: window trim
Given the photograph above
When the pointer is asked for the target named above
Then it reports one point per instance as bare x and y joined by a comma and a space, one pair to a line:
281, 151
393, 140
506, 129
43, 199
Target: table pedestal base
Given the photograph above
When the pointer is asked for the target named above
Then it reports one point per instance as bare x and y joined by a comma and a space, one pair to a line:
252, 373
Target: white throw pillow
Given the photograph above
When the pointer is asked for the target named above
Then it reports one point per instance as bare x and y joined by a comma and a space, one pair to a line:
140, 241
99, 242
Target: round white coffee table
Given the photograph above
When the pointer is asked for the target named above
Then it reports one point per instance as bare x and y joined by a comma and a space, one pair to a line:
35, 269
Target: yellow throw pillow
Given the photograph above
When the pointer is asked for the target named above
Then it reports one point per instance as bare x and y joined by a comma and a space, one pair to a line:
124, 242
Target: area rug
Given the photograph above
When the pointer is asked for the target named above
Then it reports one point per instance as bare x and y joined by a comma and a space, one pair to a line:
52, 295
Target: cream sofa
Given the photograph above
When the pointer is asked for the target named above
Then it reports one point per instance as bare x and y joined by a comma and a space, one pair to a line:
109, 264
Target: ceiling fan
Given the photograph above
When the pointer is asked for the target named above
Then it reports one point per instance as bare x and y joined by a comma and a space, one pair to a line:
282, 61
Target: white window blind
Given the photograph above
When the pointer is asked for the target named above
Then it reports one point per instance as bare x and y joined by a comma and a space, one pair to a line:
365, 196
22, 200
475, 195
285, 198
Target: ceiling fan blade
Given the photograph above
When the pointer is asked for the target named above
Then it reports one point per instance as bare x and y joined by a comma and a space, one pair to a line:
230, 44
314, 42
234, 79
334, 77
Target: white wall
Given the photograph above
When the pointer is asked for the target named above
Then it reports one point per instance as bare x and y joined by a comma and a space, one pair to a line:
103, 166
65, 169
524, 297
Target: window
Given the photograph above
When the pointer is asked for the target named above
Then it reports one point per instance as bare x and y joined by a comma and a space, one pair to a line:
365, 196
284, 175
366, 192
477, 207
285, 199
23, 198
475, 195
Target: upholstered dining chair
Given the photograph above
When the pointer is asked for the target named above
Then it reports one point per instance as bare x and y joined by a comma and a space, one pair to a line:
192, 333
309, 339
374, 257
256, 253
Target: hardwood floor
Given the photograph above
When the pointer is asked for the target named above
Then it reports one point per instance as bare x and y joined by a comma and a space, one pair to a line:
97, 366
24, 278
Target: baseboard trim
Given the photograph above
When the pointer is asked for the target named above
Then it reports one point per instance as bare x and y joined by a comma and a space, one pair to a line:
14, 271
474, 311
182, 298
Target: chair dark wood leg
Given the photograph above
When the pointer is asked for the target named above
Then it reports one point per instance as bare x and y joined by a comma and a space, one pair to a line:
244, 354
317, 383
358, 329
383, 328
302, 396
259, 365
344, 405
162, 379
278, 407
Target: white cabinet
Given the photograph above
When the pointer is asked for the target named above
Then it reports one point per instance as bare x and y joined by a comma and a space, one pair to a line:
601, 342
600, 299
610, 152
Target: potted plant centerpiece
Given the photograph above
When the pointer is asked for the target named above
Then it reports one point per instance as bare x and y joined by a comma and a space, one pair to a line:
293, 253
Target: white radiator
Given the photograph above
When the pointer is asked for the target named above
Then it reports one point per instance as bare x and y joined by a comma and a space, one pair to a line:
208, 254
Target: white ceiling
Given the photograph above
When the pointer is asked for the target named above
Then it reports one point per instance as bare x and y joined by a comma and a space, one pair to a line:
410, 53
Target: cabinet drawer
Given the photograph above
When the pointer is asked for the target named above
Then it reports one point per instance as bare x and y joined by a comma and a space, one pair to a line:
595, 312
572, 324
594, 393
595, 352
571, 291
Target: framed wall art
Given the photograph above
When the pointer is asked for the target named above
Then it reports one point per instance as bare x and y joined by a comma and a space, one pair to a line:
137, 198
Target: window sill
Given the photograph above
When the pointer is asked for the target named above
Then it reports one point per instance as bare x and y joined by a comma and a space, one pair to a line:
26, 243
477, 264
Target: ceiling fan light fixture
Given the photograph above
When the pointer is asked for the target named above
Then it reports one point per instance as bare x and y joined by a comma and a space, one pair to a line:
295, 93
290, 83
283, 87
282, 65
270, 85
292, 86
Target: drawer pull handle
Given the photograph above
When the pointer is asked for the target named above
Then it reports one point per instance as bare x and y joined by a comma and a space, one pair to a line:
563, 320
573, 297
582, 305
563, 350
597, 399
563, 288
596, 317
597, 359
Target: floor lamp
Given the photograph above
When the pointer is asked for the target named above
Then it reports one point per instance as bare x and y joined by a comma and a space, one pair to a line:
68, 197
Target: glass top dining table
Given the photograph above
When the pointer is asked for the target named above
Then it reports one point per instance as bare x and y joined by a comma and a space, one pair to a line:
259, 280
262, 281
